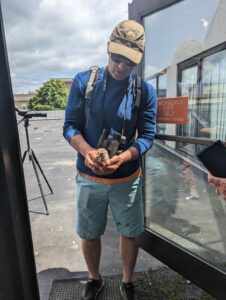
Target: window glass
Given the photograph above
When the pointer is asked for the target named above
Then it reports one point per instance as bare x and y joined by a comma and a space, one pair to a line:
185, 210
207, 105
161, 92
171, 37
162, 86
189, 88
212, 104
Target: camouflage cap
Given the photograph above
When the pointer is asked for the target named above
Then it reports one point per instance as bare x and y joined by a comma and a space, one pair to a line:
127, 39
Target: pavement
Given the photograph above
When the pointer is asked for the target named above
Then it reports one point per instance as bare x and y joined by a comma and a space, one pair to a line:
57, 248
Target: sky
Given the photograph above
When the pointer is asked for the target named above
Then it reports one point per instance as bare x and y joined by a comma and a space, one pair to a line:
56, 39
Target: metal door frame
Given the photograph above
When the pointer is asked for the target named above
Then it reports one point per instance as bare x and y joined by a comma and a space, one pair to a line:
18, 280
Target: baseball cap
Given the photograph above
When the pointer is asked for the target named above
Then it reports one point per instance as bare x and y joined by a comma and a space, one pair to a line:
127, 39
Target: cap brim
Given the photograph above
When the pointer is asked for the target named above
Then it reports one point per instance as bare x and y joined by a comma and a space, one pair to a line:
132, 54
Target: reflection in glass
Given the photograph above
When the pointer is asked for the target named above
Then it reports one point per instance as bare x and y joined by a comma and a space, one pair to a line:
213, 95
171, 37
189, 88
162, 86
206, 99
181, 205
161, 92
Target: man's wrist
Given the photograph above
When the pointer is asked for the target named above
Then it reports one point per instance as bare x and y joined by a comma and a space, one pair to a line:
86, 150
122, 158
129, 154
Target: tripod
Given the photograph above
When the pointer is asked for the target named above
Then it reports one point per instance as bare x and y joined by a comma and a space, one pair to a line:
32, 157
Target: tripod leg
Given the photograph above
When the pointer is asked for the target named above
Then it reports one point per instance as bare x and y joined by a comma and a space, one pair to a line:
24, 155
36, 160
39, 183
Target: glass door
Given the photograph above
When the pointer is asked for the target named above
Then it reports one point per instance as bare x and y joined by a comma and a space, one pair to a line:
185, 218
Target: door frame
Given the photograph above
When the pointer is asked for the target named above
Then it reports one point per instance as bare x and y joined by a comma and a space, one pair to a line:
18, 279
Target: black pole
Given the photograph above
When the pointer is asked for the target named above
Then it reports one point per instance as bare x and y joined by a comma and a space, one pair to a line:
18, 280
26, 124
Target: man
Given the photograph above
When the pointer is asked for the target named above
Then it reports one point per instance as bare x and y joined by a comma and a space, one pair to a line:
111, 117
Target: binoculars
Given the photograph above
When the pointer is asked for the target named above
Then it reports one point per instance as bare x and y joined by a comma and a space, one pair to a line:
112, 142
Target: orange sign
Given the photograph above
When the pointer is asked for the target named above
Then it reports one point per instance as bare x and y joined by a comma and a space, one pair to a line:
173, 110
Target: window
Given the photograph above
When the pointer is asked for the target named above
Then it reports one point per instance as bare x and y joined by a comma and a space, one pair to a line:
169, 42
189, 88
207, 101
162, 85
213, 95
180, 205
159, 82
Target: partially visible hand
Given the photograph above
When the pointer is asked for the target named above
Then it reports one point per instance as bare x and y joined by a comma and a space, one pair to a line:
219, 183
91, 161
216, 181
112, 165
221, 190
104, 167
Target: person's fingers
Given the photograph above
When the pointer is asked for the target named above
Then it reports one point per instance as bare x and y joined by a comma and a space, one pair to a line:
88, 163
90, 158
102, 163
222, 189
114, 162
105, 167
213, 180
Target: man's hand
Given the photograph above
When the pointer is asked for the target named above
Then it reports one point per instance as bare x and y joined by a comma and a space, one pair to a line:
91, 161
107, 166
111, 165
98, 166
89, 153
219, 183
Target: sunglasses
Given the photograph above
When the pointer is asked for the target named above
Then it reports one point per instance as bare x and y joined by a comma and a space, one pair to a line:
118, 59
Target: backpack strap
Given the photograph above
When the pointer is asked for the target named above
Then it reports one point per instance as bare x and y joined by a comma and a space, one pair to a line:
137, 91
93, 76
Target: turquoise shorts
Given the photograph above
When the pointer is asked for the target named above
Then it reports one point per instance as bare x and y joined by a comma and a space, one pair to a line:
126, 203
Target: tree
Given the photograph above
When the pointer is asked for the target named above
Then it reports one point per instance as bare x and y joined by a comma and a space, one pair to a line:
52, 95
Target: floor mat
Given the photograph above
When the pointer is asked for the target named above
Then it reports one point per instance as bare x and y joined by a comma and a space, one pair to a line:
161, 284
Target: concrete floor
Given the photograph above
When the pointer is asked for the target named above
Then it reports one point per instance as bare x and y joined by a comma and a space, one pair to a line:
57, 248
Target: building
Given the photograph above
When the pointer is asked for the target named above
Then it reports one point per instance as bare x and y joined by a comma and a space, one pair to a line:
21, 100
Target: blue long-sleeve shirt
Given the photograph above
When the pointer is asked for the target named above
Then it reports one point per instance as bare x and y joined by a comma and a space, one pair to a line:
112, 102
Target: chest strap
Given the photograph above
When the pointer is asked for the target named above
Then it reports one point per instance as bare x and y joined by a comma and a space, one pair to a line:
137, 87
94, 72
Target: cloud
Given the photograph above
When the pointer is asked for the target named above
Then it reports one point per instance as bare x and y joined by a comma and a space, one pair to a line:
55, 38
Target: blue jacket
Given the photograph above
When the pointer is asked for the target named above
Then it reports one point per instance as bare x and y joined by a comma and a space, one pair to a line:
111, 107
